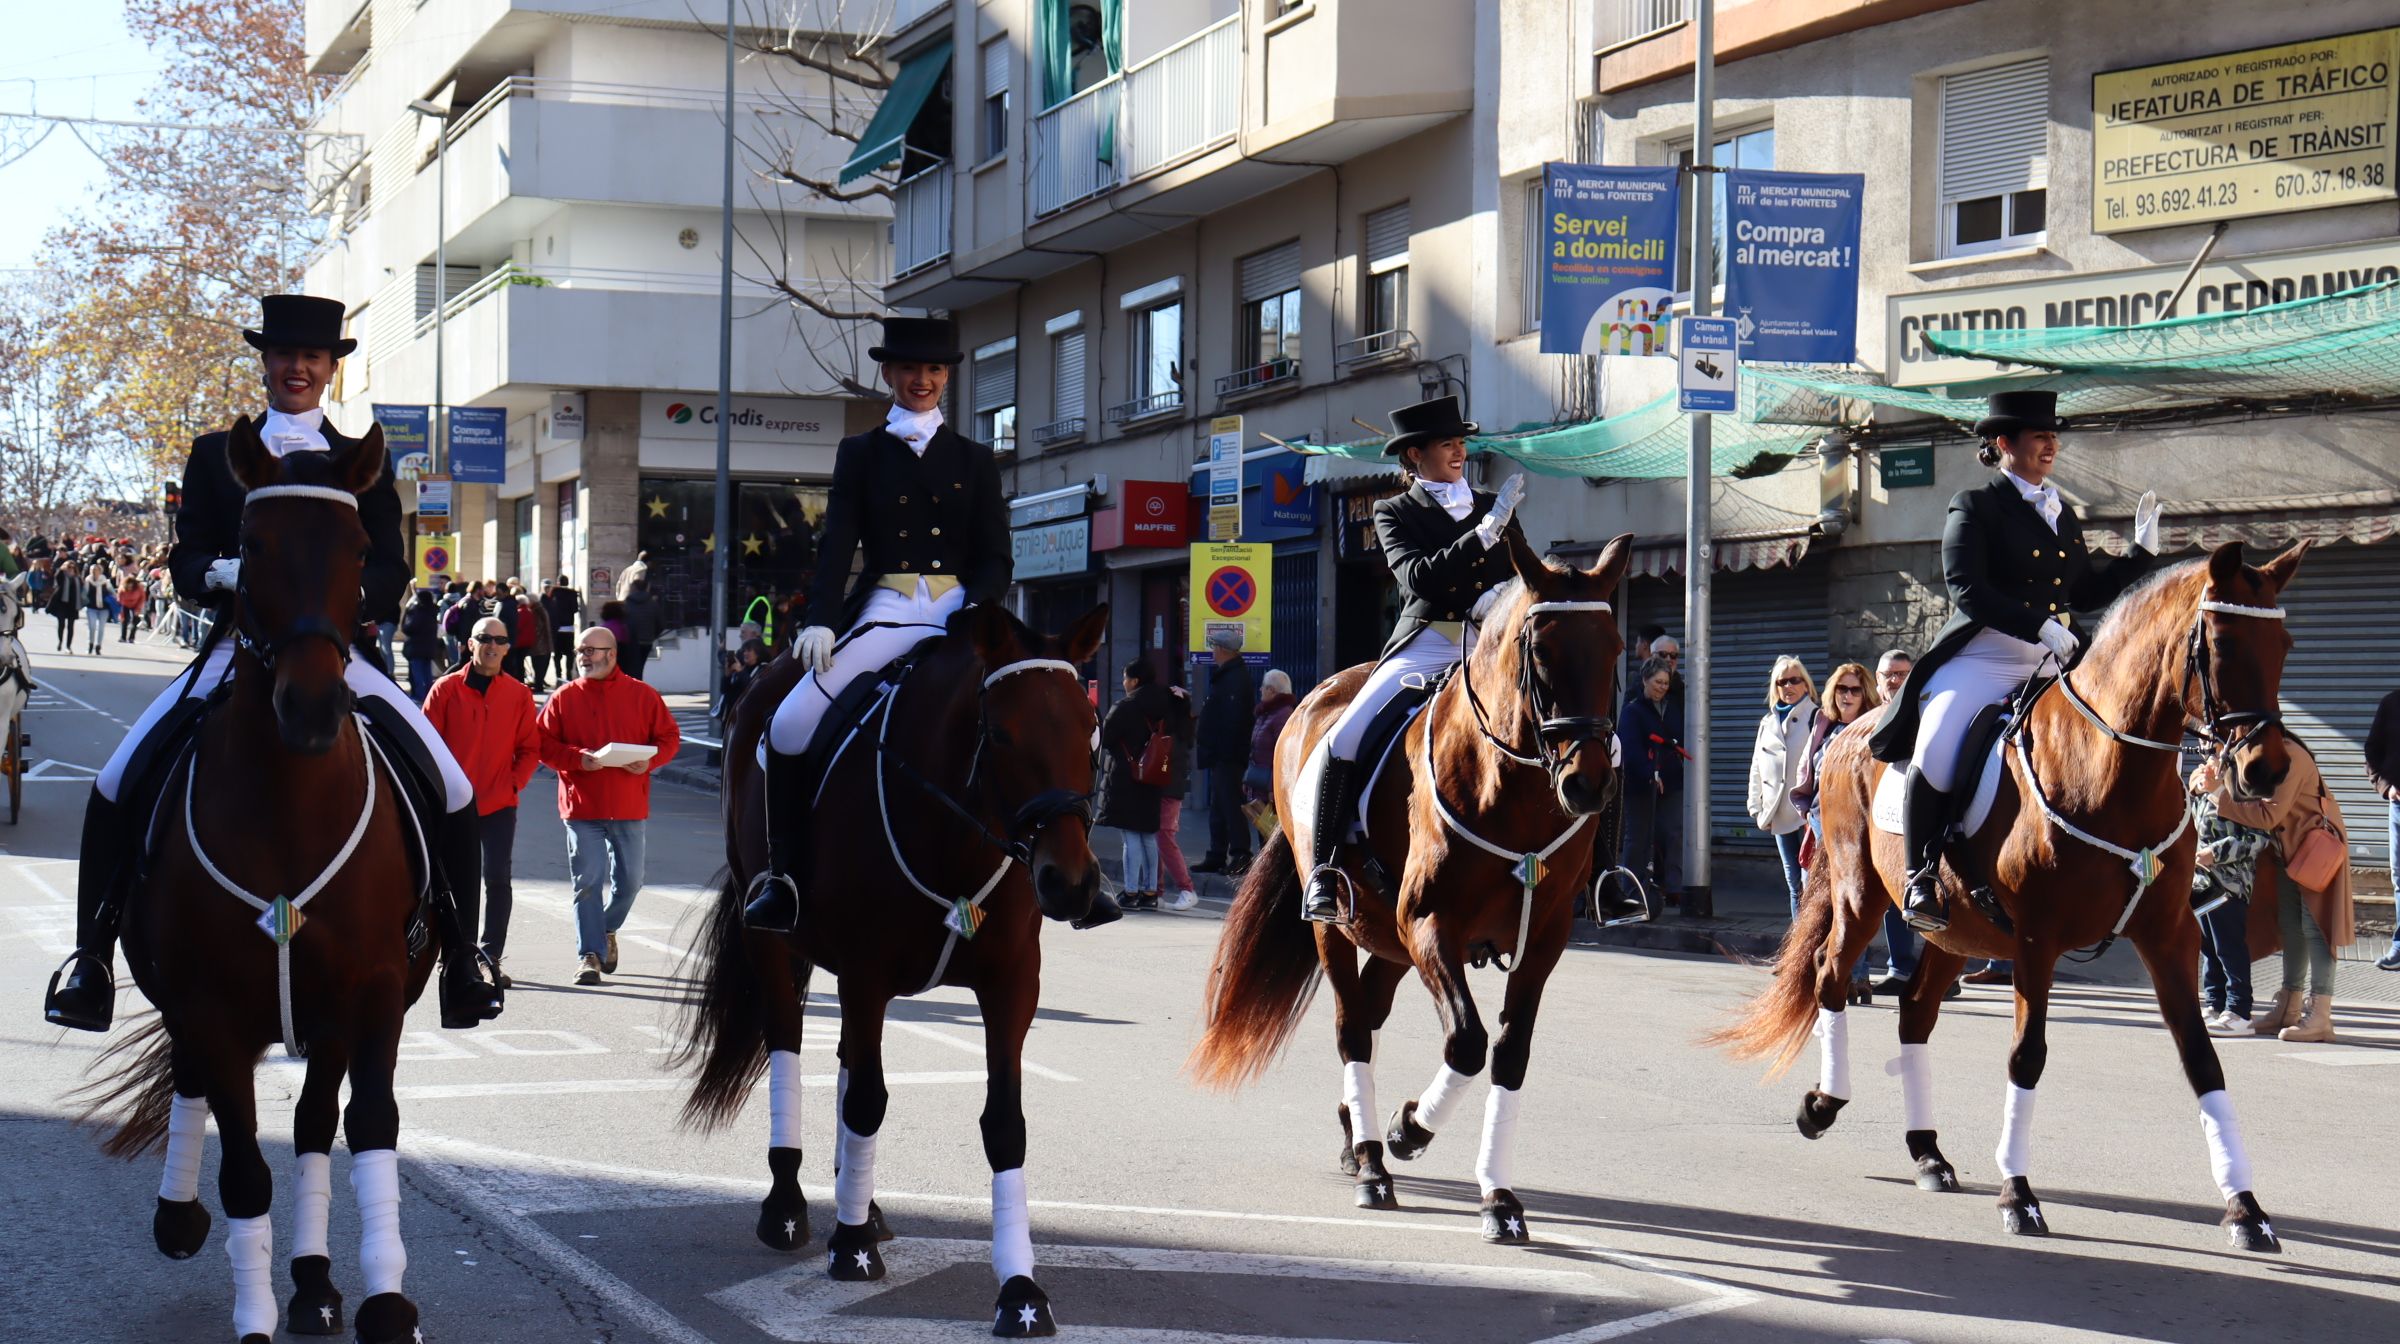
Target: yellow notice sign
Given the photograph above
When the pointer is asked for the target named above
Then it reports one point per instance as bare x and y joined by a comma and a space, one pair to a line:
1233, 588
2259, 132
437, 558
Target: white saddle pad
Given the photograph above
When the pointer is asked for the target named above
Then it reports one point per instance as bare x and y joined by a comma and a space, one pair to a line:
1988, 773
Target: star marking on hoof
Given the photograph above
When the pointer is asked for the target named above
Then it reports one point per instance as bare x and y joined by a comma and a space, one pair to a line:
417, 1333
325, 1314
1026, 1315
1515, 1226
862, 1260
791, 1228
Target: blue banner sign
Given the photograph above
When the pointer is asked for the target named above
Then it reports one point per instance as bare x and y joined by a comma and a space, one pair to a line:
1791, 265
1608, 263
479, 444
408, 438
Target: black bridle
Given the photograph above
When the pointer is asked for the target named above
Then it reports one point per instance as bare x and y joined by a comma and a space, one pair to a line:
267, 647
1557, 738
1030, 818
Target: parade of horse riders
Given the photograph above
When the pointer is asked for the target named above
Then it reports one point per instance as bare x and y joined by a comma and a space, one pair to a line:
593, 593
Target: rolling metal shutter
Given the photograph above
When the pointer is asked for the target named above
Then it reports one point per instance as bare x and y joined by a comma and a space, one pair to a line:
1387, 239
996, 381
1267, 274
995, 67
1066, 360
1296, 617
1995, 131
1756, 616
2345, 658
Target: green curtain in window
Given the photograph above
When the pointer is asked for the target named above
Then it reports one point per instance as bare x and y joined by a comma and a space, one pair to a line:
880, 144
1054, 50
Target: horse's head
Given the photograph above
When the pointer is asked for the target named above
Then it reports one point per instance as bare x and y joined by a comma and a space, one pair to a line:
1035, 753
2234, 672
303, 552
1561, 644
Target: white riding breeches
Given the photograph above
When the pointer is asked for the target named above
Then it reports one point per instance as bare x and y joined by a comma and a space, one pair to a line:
365, 682
892, 624
1988, 670
1427, 655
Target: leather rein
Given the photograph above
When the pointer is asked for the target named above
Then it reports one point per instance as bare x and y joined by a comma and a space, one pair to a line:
1557, 738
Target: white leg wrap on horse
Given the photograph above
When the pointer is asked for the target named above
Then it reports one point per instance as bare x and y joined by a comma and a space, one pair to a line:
187, 1132
1012, 1227
1915, 1068
783, 1099
854, 1184
1440, 1099
250, 1244
1499, 1138
375, 1184
312, 1204
1358, 1093
2228, 1161
1833, 1053
2016, 1132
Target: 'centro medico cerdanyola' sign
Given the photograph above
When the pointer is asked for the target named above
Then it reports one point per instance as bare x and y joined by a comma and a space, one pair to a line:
2260, 132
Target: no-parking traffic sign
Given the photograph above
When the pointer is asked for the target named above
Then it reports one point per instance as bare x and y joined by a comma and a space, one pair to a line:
436, 557
1232, 587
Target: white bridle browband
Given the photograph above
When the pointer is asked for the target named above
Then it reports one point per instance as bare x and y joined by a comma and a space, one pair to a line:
327, 493
1568, 606
2237, 609
1033, 665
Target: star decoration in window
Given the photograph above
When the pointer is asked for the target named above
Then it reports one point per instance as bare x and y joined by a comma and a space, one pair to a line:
752, 543
658, 508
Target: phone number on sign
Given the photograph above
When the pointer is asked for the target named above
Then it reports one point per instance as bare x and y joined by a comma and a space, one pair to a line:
2346, 178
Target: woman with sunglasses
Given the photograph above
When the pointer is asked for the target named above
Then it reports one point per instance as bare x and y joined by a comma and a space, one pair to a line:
1775, 761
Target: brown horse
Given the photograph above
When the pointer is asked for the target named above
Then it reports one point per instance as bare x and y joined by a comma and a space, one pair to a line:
958, 805
280, 803
1483, 816
2088, 838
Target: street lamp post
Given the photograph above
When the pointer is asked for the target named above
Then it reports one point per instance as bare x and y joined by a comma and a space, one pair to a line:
720, 572
439, 449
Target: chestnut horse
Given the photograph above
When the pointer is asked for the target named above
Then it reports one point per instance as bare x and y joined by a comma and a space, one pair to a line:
280, 803
959, 804
2088, 838
1483, 815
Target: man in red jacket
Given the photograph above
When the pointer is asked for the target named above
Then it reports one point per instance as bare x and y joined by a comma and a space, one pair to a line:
604, 788
487, 718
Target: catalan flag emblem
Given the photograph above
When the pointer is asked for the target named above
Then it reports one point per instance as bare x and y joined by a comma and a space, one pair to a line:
1531, 869
964, 918
281, 920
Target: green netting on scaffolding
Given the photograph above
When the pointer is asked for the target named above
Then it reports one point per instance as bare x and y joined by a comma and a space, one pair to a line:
2345, 344
1651, 442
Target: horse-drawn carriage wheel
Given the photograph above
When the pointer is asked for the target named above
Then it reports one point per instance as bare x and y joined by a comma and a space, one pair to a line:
1023, 1311
2020, 1212
180, 1227
316, 1307
1504, 1219
850, 1254
1817, 1112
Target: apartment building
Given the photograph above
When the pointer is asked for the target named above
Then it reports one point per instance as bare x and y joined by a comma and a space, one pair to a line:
578, 145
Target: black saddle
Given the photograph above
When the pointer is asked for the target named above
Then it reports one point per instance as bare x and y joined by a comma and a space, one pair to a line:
1383, 737
849, 710
1989, 725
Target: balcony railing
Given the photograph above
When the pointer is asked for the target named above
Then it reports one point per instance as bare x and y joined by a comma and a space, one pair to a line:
1623, 21
1258, 377
921, 219
1376, 348
1060, 431
1183, 100
1143, 408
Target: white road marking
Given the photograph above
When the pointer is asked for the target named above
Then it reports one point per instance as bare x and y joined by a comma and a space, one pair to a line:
2344, 1059
51, 771
52, 689
583, 1086
974, 1048
537, 1042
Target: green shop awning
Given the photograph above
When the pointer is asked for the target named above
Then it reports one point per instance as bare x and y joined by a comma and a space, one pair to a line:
879, 145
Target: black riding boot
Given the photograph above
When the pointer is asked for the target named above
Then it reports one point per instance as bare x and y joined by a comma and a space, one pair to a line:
1922, 809
467, 998
775, 908
83, 993
1322, 902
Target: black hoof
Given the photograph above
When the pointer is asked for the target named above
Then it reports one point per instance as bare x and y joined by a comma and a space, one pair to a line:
180, 1227
1862, 995
257, 1339
850, 1254
1375, 1192
1934, 1171
387, 1318
883, 1230
1023, 1311
2246, 1225
783, 1221
316, 1308
1406, 1138
2020, 1212
1817, 1112
1349, 1158
1504, 1219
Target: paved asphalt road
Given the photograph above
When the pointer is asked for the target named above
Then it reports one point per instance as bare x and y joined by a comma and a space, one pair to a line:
549, 1197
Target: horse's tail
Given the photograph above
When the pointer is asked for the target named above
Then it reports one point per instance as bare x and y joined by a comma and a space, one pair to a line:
722, 1032
1778, 1021
134, 1090
1264, 975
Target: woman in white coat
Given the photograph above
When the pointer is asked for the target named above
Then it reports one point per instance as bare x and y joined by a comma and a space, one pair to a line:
1775, 761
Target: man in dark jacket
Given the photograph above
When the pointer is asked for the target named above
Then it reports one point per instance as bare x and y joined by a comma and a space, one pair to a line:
1226, 718
2383, 768
644, 620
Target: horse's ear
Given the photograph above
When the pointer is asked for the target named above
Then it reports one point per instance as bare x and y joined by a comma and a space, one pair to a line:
994, 630
1610, 568
246, 454
1082, 639
2279, 571
363, 464
1529, 566
2225, 568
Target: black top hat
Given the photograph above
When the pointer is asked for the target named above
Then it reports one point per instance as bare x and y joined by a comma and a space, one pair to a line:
917, 340
1427, 422
2016, 412
303, 320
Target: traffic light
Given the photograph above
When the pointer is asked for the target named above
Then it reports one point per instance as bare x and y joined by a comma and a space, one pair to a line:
171, 493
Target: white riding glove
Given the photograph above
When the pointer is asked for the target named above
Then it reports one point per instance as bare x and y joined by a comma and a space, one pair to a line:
2060, 641
815, 648
224, 575
2145, 522
1483, 605
1512, 493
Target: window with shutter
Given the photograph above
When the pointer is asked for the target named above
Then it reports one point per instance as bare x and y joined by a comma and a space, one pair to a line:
1993, 165
1387, 238
995, 97
1066, 354
1529, 279
1384, 296
1269, 338
995, 400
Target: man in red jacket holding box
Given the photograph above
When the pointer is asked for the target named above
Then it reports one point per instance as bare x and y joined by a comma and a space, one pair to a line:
604, 733
486, 716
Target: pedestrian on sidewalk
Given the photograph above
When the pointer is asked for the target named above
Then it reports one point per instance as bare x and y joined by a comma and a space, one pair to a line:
1226, 718
1174, 874
421, 641
565, 606
131, 598
645, 618
1901, 941
2383, 770
1781, 748
98, 595
2227, 872
2312, 921
1275, 705
1653, 770
1127, 802
606, 807
486, 717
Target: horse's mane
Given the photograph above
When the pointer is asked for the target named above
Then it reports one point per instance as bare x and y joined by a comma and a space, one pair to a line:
2145, 606
309, 469
1488, 650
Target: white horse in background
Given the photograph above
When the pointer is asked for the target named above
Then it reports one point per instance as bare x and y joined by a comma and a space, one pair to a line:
16, 669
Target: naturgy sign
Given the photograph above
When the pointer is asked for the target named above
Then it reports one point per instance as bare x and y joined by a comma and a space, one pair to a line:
2118, 299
